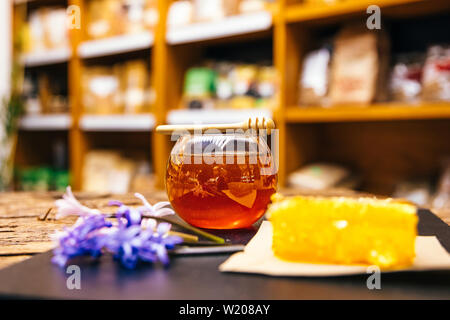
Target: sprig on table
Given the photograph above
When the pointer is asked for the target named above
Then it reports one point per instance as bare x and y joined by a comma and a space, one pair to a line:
131, 238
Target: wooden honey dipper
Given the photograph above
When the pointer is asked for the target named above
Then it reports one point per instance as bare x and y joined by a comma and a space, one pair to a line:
251, 123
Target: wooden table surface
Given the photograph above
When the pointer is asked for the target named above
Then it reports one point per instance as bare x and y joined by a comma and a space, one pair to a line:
24, 232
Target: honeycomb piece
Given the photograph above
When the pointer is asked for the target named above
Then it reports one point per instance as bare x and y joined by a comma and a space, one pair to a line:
340, 230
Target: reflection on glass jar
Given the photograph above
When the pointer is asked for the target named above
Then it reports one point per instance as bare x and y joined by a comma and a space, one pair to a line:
220, 181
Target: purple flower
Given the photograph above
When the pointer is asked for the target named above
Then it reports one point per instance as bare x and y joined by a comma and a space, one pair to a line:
132, 216
68, 205
130, 239
120, 243
80, 239
160, 241
131, 244
157, 210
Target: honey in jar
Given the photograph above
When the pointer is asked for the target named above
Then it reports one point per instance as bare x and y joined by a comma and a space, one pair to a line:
226, 188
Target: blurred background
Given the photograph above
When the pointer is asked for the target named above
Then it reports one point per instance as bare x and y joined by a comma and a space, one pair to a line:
361, 96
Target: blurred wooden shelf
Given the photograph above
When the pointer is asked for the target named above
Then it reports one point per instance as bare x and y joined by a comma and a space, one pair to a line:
291, 28
46, 122
376, 112
115, 45
17, 2
118, 122
304, 12
227, 27
47, 57
183, 116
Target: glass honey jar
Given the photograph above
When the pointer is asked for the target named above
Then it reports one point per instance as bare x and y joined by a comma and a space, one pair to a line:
220, 181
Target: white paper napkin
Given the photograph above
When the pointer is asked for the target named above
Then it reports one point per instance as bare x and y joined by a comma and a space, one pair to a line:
258, 257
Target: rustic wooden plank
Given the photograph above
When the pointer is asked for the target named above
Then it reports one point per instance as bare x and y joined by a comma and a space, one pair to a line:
24, 204
27, 248
23, 234
28, 235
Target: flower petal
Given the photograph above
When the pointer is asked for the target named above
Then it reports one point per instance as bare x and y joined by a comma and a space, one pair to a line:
163, 228
115, 203
164, 212
68, 205
130, 239
160, 205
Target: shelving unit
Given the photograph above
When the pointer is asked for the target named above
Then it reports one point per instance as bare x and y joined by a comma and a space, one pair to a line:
299, 12
118, 122
214, 116
115, 45
227, 27
46, 122
385, 141
375, 112
46, 57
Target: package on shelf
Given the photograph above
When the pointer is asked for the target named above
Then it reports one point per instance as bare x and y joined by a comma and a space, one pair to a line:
211, 10
316, 2
136, 80
110, 171
405, 83
52, 176
184, 12
244, 77
151, 14
224, 83
45, 93
141, 15
267, 81
441, 200
359, 66
199, 87
105, 170
247, 6
31, 95
43, 178
418, 192
322, 176
230, 85
313, 84
143, 180
180, 13
35, 179
46, 29
436, 74
124, 87
61, 179
101, 94
106, 18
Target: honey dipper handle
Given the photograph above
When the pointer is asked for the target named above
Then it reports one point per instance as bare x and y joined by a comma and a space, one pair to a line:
251, 123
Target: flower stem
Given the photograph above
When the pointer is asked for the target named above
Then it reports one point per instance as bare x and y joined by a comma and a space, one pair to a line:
188, 238
202, 233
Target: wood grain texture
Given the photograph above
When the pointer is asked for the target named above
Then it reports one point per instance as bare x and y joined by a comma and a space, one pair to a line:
23, 233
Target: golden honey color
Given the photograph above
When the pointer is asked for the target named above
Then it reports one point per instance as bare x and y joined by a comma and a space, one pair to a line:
339, 230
